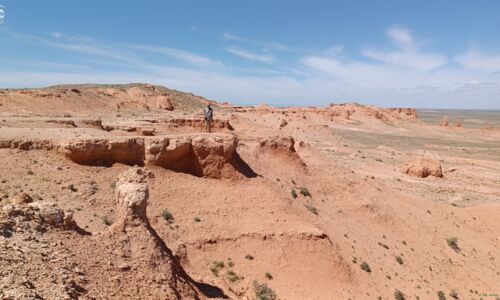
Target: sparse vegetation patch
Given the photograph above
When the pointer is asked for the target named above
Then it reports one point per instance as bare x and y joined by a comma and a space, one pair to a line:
453, 243
106, 221
310, 207
398, 295
305, 192
441, 295
263, 292
167, 216
232, 276
216, 267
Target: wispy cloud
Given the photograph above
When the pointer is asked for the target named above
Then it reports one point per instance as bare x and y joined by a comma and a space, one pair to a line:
186, 56
408, 53
250, 56
83, 45
401, 37
475, 60
265, 45
72, 38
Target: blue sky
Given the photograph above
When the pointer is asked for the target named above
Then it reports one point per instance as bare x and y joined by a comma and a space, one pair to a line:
425, 54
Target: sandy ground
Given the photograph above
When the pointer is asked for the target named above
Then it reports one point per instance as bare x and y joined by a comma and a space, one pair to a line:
323, 201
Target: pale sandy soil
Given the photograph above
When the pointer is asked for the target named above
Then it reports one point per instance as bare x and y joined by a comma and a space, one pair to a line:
361, 207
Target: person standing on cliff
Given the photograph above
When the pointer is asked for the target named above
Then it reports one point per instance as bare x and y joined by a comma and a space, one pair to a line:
209, 117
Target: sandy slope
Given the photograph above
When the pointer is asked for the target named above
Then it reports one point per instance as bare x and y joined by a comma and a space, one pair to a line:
361, 207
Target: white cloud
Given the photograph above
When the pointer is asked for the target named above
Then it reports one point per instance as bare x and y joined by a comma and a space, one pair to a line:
475, 60
401, 37
408, 58
73, 38
265, 45
186, 56
250, 56
408, 55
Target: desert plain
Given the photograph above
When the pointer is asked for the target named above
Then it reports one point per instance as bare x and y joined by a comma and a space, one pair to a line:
117, 192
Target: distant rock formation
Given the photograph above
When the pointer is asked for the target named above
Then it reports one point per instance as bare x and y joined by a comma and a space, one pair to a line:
444, 122
423, 167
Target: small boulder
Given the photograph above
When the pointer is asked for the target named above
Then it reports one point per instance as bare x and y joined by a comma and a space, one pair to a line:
21, 199
423, 167
283, 123
49, 213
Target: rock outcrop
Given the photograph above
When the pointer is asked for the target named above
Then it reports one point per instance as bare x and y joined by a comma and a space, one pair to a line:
212, 156
21, 199
104, 152
34, 263
36, 215
217, 124
202, 155
135, 248
281, 147
27, 144
131, 193
423, 167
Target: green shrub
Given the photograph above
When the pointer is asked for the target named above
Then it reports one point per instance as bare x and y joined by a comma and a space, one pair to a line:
263, 292
398, 295
441, 295
294, 194
453, 243
305, 192
216, 267
249, 257
269, 276
232, 276
399, 259
168, 216
106, 221
197, 219
310, 207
